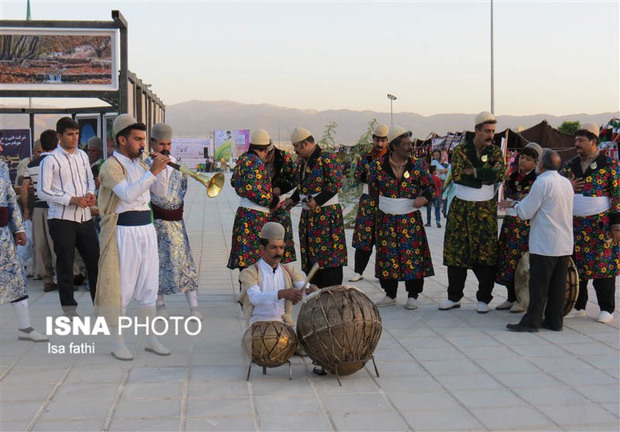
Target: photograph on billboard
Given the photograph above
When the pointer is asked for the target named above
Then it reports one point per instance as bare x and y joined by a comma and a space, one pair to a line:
230, 143
89, 127
108, 134
58, 59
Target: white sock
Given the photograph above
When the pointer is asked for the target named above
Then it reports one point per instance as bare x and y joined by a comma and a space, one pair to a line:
21, 314
192, 299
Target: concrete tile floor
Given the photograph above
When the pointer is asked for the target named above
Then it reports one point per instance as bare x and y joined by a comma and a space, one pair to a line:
454, 370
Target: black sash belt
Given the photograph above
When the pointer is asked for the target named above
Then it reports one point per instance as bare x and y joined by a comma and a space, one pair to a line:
4, 216
134, 218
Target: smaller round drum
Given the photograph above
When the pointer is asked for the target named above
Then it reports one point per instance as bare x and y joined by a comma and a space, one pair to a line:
522, 283
270, 343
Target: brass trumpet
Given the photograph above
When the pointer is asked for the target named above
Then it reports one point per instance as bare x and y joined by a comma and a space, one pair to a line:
214, 183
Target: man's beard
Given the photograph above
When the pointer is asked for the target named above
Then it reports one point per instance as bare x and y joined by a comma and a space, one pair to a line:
165, 152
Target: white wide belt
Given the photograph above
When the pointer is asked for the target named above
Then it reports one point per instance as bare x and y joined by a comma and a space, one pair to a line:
365, 188
332, 201
397, 206
590, 206
466, 193
246, 203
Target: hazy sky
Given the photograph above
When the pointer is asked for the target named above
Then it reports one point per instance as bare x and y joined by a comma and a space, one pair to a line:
556, 57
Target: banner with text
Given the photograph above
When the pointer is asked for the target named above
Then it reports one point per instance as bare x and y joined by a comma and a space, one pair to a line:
16, 145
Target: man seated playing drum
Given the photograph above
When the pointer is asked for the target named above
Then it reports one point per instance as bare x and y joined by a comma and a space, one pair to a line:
269, 289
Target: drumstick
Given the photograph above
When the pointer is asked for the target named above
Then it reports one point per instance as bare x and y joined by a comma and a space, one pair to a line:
315, 268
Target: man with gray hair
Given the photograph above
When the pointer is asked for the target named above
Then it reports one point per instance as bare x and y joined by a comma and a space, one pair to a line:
94, 149
549, 206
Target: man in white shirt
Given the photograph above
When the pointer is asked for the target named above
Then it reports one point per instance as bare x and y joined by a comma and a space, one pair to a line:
269, 289
549, 206
129, 265
66, 183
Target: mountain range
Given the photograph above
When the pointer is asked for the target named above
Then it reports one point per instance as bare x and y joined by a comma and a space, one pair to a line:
201, 118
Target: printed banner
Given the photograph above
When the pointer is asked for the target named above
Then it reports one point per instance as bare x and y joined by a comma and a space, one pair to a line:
229, 144
16, 145
190, 151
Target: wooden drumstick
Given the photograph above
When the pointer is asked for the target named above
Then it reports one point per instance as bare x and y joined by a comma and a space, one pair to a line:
315, 268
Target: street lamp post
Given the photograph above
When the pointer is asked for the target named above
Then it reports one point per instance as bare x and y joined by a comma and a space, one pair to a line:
392, 98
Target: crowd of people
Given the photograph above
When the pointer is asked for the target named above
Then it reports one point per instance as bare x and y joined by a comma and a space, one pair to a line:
123, 218
397, 186
120, 222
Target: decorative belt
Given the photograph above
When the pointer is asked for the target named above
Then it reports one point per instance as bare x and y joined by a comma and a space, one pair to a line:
397, 206
590, 206
4, 216
246, 203
466, 193
167, 215
134, 218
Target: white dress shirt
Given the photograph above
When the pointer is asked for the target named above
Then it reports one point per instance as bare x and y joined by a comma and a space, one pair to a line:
550, 207
64, 175
267, 306
135, 190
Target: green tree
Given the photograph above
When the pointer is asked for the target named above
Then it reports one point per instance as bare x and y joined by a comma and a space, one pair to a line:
569, 127
328, 141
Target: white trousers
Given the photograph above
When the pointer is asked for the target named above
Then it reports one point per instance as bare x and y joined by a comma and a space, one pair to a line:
139, 264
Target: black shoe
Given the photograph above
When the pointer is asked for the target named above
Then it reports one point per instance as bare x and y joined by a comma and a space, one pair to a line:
521, 328
318, 370
427, 225
438, 225
548, 327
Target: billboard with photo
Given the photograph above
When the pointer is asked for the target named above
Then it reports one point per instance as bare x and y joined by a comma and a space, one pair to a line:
58, 59
16, 145
231, 143
89, 127
190, 151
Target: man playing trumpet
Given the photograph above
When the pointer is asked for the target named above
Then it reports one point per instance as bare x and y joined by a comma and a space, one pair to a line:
177, 271
129, 263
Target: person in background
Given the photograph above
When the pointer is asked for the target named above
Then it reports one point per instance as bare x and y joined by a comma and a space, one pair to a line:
364, 230
436, 200
44, 256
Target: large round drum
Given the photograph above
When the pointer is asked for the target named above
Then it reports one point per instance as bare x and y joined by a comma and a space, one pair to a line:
339, 327
522, 283
270, 343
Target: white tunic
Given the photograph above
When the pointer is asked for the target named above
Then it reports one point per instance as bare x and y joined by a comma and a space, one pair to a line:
267, 306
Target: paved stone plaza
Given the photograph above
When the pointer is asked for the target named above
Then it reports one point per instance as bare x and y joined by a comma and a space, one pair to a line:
439, 370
